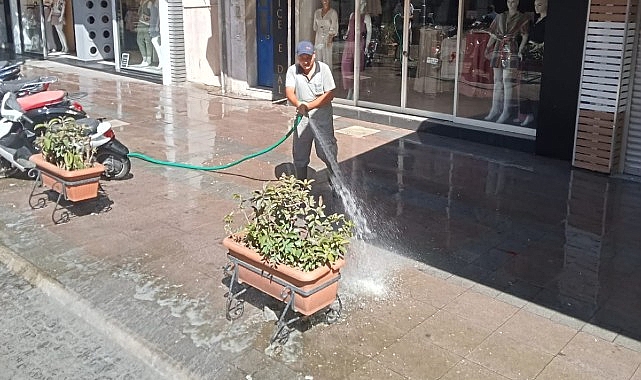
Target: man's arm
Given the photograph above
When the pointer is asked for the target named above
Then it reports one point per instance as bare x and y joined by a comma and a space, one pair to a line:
321, 100
301, 107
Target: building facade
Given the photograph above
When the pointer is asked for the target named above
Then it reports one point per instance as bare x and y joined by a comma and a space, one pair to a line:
557, 76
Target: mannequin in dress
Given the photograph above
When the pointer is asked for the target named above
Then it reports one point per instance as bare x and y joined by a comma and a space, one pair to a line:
347, 62
505, 53
154, 29
57, 19
51, 43
534, 60
326, 27
143, 38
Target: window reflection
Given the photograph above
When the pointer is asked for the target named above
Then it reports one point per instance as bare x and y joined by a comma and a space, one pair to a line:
31, 30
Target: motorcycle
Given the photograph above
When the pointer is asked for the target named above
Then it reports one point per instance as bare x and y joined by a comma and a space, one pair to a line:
109, 150
36, 118
16, 145
27, 86
46, 105
10, 71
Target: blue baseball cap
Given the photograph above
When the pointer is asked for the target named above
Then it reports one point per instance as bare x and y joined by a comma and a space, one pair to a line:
304, 47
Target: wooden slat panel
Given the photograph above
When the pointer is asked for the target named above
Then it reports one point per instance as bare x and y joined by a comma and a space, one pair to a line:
608, 17
586, 155
595, 129
598, 115
592, 167
608, 2
594, 137
601, 126
609, 9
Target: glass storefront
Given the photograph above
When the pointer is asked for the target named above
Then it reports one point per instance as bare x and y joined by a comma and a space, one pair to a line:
139, 35
445, 58
51, 27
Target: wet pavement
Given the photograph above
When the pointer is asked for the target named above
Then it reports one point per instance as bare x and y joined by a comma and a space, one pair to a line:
481, 262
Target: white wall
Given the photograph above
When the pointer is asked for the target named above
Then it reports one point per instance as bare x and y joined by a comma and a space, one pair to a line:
202, 46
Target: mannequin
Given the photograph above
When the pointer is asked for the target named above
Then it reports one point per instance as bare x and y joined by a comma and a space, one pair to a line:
505, 53
326, 27
347, 63
154, 29
398, 26
143, 38
57, 19
51, 43
533, 61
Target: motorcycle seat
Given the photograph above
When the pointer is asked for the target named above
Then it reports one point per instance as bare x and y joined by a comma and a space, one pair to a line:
41, 99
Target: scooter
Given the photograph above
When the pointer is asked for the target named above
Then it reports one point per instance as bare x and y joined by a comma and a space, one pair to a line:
27, 86
10, 71
16, 145
109, 150
46, 105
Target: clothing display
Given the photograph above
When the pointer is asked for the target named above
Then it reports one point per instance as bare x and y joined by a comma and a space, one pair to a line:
347, 62
428, 71
51, 43
143, 38
326, 27
508, 30
533, 55
436, 69
57, 19
477, 77
58, 12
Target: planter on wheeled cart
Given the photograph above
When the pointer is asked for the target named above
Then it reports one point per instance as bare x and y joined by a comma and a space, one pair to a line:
72, 185
303, 292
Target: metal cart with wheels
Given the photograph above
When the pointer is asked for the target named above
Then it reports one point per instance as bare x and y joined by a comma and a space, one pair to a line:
289, 292
60, 186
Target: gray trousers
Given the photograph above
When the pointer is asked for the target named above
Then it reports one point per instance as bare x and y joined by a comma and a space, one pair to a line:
321, 133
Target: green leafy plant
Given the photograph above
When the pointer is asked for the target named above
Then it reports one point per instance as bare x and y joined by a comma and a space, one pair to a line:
65, 144
288, 226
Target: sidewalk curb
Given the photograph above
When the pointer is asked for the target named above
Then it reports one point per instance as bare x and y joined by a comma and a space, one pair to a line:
134, 345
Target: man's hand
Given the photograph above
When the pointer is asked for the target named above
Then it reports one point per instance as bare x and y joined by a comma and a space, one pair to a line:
302, 109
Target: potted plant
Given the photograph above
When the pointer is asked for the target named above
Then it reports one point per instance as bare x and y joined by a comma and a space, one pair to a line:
66, 160
290, 243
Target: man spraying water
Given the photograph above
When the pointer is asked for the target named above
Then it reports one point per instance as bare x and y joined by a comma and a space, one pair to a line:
309, 87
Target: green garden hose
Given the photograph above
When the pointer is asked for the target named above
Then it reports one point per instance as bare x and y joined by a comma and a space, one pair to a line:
219, 167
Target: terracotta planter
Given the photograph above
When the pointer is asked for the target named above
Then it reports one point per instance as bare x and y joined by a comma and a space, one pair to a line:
77, 185
307, 281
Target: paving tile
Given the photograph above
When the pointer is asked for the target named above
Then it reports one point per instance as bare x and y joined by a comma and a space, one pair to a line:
361, 332
510, 358
466, 369
562, 368
537, 331
372, 370
605, 358
432, 290
414, 357
481, 309
452, 332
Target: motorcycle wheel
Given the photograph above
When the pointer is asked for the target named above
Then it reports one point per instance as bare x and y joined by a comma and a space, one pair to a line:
115, 167
6, 169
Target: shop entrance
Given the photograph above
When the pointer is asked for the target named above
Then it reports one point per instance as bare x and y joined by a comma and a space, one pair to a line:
264, 43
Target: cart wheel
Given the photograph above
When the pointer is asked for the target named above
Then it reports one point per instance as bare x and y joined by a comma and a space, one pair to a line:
333, 313
235, 308
281, 335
